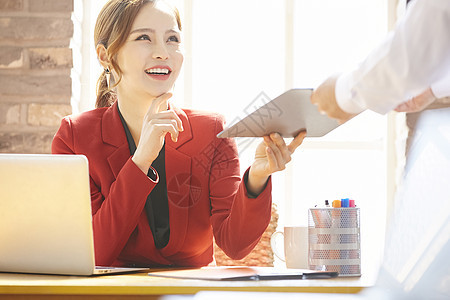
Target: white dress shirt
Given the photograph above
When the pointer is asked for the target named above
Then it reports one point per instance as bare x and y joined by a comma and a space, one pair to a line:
441, 88
413, 57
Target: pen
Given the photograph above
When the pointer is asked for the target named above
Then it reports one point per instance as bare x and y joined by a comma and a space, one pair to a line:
335, 254
345, 223
327, 204
345, 202
326, 214
336, 203
353, 224
321, 217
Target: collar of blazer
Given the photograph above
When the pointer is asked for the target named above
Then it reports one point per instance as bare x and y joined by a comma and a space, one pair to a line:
111, 126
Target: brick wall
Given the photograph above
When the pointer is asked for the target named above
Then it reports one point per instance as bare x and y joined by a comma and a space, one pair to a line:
35, 68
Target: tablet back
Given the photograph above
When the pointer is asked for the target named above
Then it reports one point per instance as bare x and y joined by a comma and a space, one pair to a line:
288, 114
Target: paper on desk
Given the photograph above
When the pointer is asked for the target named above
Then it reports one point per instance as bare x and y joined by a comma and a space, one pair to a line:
243, 273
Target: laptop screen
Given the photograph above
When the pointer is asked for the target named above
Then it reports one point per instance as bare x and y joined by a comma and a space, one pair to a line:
45, 214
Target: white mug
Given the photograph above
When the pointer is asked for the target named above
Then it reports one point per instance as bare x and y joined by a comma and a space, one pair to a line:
295, 246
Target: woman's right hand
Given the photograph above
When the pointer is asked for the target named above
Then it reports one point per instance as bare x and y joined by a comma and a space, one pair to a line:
158, 121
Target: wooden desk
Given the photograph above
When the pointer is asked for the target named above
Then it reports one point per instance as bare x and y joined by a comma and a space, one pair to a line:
140, 285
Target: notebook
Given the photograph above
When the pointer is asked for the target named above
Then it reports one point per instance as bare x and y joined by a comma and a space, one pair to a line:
45, 216
287, 114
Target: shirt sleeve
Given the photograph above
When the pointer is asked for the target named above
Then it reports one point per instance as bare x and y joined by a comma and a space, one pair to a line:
116, 216
411, 58
238, 218
441, 88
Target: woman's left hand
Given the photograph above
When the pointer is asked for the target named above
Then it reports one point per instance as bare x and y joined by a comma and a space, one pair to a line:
271, 156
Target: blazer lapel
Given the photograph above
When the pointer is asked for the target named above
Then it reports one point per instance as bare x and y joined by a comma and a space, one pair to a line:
184, 136
114, 135
179, 185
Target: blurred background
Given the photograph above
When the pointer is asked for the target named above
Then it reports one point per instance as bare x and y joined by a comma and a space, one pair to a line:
235, 51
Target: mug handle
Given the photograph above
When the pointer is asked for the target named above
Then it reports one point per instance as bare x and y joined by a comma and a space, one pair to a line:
274, 243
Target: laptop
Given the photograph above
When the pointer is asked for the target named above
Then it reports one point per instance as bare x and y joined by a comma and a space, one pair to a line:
45, 216
287, 114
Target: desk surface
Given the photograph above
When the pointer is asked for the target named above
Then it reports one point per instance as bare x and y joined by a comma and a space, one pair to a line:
140, 284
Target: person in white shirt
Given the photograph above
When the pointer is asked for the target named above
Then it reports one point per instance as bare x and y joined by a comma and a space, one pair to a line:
412, 58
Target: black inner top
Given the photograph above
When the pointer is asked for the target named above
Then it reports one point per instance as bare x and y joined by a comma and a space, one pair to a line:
157, 204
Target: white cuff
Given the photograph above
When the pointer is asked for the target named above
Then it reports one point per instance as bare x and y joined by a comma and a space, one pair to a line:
441, 88
345, 96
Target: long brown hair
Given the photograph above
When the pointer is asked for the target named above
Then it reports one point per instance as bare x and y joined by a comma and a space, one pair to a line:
111, 30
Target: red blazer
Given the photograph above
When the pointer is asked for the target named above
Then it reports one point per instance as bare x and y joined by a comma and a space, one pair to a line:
205, 191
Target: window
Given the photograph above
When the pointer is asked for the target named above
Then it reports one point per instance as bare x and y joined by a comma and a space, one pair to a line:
235, 50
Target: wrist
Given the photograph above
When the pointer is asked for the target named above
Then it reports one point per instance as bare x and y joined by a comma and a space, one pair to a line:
256, 183
142, 165
430, 95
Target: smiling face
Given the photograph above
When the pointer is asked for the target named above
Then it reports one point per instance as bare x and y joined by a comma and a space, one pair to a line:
151, 58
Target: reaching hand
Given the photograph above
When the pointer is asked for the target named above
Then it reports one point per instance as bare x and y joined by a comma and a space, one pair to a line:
157, 123
271, 156
417, 103
325, 99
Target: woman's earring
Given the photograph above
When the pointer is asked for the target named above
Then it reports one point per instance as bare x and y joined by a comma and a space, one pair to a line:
108, 76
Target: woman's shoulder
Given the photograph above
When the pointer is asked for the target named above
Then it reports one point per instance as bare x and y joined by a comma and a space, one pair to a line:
207, 122
74, 128
203, 117
86, 118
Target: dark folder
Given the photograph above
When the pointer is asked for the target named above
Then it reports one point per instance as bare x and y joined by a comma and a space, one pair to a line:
243, 274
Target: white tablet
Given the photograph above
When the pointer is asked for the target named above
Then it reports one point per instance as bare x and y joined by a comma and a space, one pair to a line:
288, 114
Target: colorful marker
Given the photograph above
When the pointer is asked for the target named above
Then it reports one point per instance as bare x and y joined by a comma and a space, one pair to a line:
345, 202
336, 203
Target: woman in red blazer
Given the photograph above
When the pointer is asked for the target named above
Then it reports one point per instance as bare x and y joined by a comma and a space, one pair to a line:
162, 184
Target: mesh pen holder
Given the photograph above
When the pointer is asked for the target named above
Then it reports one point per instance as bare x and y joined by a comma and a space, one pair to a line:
335, 240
